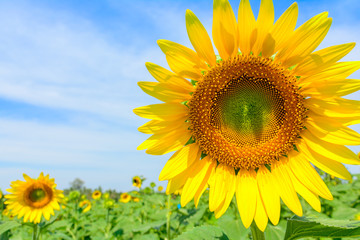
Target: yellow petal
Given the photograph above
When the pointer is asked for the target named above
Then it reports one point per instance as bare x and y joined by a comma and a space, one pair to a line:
322, 59
309, 196
285, 187
198, 194
178, 181
343, 120
231, 185
284, 26
264, 23
307, 175
336, 152
180, 161
199, 38
334, 107
332, 132
331, 88
165, 92
165, 76
328, 165
270, 198
182, 60
304, 40
246, 25
197, 179
246, 193
260, 217
218, 187
224, 29
163, 111
335, 71
159, 137
158, 126
173, 141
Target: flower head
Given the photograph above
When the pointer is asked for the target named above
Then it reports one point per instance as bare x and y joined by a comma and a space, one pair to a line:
124, 198
96, 195
136, 181
85, 205
252, 121
33, 198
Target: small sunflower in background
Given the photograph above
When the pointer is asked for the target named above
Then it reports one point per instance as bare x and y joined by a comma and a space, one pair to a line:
7, 213
33, 198
109, 203
85, 205
160, 188
136, 199
96, 195
106, 195
136, 181
124, 198
252, 121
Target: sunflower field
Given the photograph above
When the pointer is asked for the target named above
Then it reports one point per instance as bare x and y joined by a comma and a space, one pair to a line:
148, 213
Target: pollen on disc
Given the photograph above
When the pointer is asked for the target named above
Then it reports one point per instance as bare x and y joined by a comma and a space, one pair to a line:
246, 112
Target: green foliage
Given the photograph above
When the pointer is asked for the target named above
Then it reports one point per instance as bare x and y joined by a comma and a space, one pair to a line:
300, 227
109, 218
203, 233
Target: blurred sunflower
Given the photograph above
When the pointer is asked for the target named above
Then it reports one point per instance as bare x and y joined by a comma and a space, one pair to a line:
96, 195
7, 213
136, 199
250, 123
86, 205
33, 198
106, 195
124, 198
160, 188
136, 182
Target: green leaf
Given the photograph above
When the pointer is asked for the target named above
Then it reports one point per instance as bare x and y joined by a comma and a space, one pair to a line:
233, 229
203, 233
151, 236
145, 227
300, 227
275, 232
5, 226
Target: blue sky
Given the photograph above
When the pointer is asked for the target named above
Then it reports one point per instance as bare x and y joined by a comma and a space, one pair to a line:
68, 74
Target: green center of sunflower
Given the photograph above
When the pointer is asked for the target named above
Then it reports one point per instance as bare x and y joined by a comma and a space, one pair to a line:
37, 195
246, 112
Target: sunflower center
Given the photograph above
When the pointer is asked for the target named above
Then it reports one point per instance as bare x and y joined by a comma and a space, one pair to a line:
246, 112
38, 195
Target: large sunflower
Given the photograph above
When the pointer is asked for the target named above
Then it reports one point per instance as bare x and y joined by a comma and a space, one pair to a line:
33, 198
252, 122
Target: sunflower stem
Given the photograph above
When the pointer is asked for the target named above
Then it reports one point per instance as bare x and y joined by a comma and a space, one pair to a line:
256, 233
35, 235
168, 217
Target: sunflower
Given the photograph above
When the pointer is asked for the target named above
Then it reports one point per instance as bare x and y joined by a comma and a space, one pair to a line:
96, 195
124, 198
252, 123
136, 182
136, 199
160, 188
33, 198
86, 205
